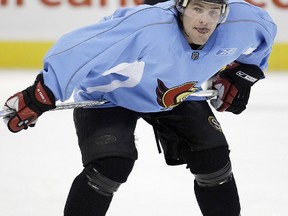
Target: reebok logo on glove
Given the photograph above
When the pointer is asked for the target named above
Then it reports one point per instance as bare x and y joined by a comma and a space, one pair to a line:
246, 76
41, 95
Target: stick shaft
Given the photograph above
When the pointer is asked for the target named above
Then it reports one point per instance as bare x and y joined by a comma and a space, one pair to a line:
90, 103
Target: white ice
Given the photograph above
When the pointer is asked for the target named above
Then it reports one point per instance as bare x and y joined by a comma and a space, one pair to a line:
37, 166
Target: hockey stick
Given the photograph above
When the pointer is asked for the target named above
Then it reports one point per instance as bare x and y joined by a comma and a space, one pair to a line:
90, 103
62, 106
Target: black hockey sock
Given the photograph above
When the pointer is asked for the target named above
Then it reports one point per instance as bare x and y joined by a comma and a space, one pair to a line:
221, 200
84, 201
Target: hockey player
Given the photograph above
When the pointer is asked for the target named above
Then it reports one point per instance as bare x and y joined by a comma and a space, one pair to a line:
145, 61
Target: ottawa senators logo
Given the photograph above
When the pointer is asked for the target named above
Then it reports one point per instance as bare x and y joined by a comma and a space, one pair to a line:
169, 98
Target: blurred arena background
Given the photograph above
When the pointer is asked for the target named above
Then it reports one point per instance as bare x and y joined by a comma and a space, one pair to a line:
29, 28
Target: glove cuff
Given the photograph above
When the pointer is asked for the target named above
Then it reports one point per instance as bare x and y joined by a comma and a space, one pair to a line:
245, 75
40, 95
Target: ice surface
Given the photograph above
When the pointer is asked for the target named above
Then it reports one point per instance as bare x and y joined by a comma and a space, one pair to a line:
37, 166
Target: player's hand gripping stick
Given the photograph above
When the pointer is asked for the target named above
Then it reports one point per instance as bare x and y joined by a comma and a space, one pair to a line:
28, 105
234, 84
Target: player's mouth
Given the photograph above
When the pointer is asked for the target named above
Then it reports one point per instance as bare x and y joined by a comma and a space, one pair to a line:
202, 30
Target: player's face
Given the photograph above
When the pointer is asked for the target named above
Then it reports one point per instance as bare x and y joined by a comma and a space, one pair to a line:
200, 20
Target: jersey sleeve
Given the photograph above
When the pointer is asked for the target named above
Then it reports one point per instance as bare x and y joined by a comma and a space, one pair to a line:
257, 31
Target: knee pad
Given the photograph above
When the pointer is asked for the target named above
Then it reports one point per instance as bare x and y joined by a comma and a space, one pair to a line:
216, 178
107, 174
210, 167
101, 183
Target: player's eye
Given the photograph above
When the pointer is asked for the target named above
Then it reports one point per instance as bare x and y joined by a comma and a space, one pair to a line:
214, 13
198, 9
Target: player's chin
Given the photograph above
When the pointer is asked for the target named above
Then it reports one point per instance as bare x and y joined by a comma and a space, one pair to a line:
199, 38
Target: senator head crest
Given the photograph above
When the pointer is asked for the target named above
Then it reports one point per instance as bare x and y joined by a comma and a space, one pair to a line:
171, 97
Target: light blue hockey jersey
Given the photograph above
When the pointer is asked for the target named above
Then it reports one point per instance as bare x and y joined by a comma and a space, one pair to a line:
138, 58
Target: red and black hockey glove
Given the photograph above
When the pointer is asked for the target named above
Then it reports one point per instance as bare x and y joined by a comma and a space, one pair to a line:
29, 104
234, 84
